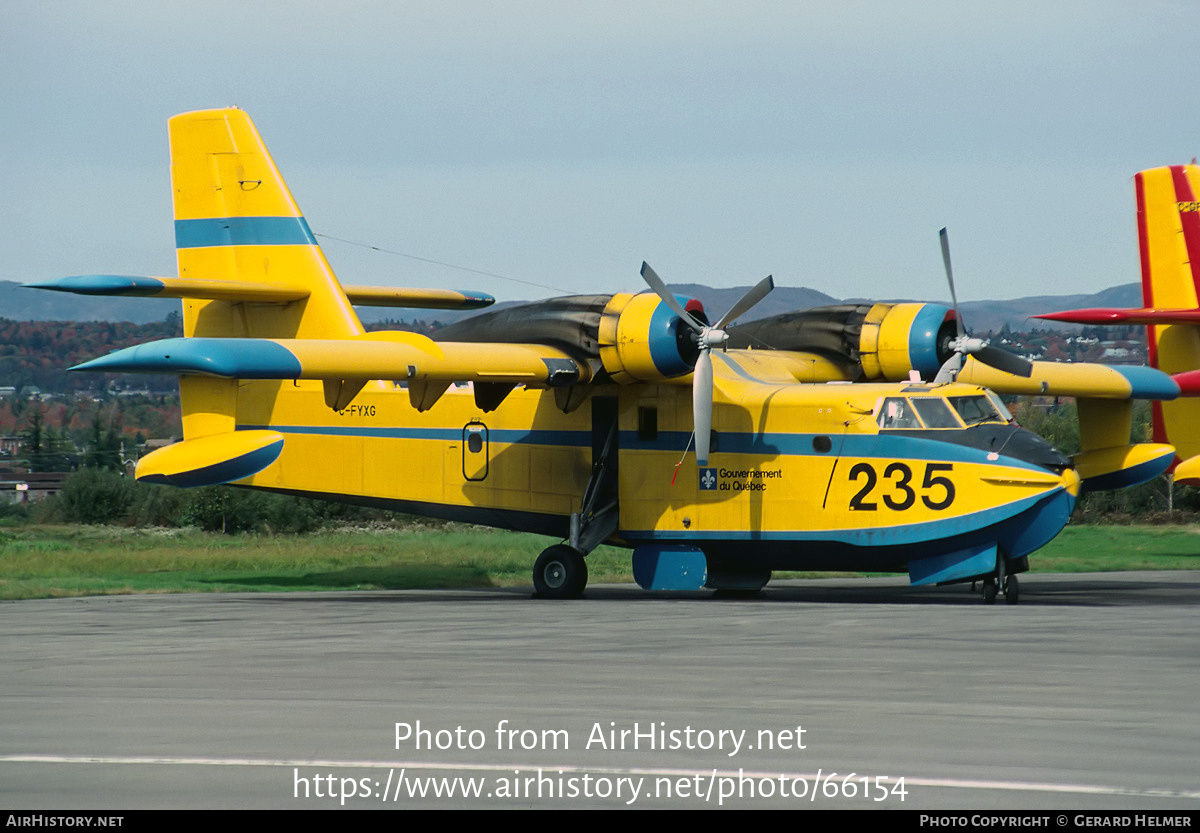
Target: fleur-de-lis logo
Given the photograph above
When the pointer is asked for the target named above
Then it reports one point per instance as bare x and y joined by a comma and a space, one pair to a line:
708, 479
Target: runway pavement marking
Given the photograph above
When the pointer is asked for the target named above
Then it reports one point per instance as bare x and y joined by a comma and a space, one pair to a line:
945, 783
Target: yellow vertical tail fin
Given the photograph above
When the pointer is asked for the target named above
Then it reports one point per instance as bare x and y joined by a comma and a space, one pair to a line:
235, 220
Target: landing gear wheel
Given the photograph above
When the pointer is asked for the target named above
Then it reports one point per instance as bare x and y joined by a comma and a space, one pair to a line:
989, 591
1012, 590
559, 573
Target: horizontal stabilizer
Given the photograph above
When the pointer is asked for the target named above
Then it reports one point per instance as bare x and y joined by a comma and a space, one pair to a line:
212, 460
410, 298
1104, 315
139, 286
148, 287
396, 356
1122, 467
1189, 382
1097, 381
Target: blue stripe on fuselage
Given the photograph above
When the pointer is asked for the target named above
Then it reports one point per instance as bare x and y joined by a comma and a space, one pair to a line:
889, 446
569, 439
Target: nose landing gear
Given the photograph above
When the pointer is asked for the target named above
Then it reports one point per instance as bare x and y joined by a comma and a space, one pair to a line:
1003, 581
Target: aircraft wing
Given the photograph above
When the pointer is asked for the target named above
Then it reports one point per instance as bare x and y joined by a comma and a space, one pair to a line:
1079, 379
1107, 315
249, 291
345, 365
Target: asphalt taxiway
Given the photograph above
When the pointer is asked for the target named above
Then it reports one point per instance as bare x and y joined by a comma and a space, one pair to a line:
1082, 696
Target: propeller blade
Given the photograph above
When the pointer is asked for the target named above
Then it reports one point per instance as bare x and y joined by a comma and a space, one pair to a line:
660, 289
945, 238
702, 402
756, 294
1004, 360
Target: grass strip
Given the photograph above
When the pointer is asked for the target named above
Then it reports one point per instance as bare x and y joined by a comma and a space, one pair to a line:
49, 561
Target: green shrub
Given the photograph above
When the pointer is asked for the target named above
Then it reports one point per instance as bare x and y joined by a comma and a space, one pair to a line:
95, 496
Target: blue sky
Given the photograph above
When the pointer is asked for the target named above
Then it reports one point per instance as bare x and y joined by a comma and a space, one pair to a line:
563, 143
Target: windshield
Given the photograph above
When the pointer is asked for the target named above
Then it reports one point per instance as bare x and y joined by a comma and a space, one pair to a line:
976, 409
999, 403
935, 413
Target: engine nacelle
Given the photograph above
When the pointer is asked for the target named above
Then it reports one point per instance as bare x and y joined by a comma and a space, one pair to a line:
642, 340
897, 338
871, 342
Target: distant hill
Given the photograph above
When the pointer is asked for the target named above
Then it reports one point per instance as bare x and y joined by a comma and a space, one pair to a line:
22, 304
985, 316
981, 316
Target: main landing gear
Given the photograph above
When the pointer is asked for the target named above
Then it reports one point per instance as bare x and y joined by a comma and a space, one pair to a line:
560, 573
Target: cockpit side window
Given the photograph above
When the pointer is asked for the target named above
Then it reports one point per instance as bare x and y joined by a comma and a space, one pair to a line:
1005, 414
935, 413
976, 409
896, 412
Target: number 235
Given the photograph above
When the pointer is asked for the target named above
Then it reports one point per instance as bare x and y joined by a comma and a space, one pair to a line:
937, 490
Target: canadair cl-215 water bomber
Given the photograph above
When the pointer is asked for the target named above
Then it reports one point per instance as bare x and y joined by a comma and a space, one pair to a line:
855, 437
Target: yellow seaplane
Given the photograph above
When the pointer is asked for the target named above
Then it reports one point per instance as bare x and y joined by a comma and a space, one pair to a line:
856, 437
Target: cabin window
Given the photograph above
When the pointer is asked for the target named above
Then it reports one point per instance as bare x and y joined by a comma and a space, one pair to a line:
647, 424
897, 413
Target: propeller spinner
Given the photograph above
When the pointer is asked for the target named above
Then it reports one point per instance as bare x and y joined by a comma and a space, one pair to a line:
707, 337
965, 345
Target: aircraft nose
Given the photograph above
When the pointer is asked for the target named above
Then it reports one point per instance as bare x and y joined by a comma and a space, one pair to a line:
1071, 481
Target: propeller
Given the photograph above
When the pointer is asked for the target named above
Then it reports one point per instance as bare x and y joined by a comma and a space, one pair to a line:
965, 345
707, 337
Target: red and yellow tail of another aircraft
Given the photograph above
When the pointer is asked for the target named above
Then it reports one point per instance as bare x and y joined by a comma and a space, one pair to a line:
1168, 217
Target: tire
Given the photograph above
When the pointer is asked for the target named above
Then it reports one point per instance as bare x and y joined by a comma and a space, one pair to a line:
989, 591
559, 573
1011, 589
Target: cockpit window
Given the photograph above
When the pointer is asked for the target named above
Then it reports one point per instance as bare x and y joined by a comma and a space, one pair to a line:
999, 403
976, 409
897, 413
935, 413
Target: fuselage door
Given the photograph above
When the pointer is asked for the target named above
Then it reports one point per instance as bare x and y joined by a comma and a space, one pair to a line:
475, 451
